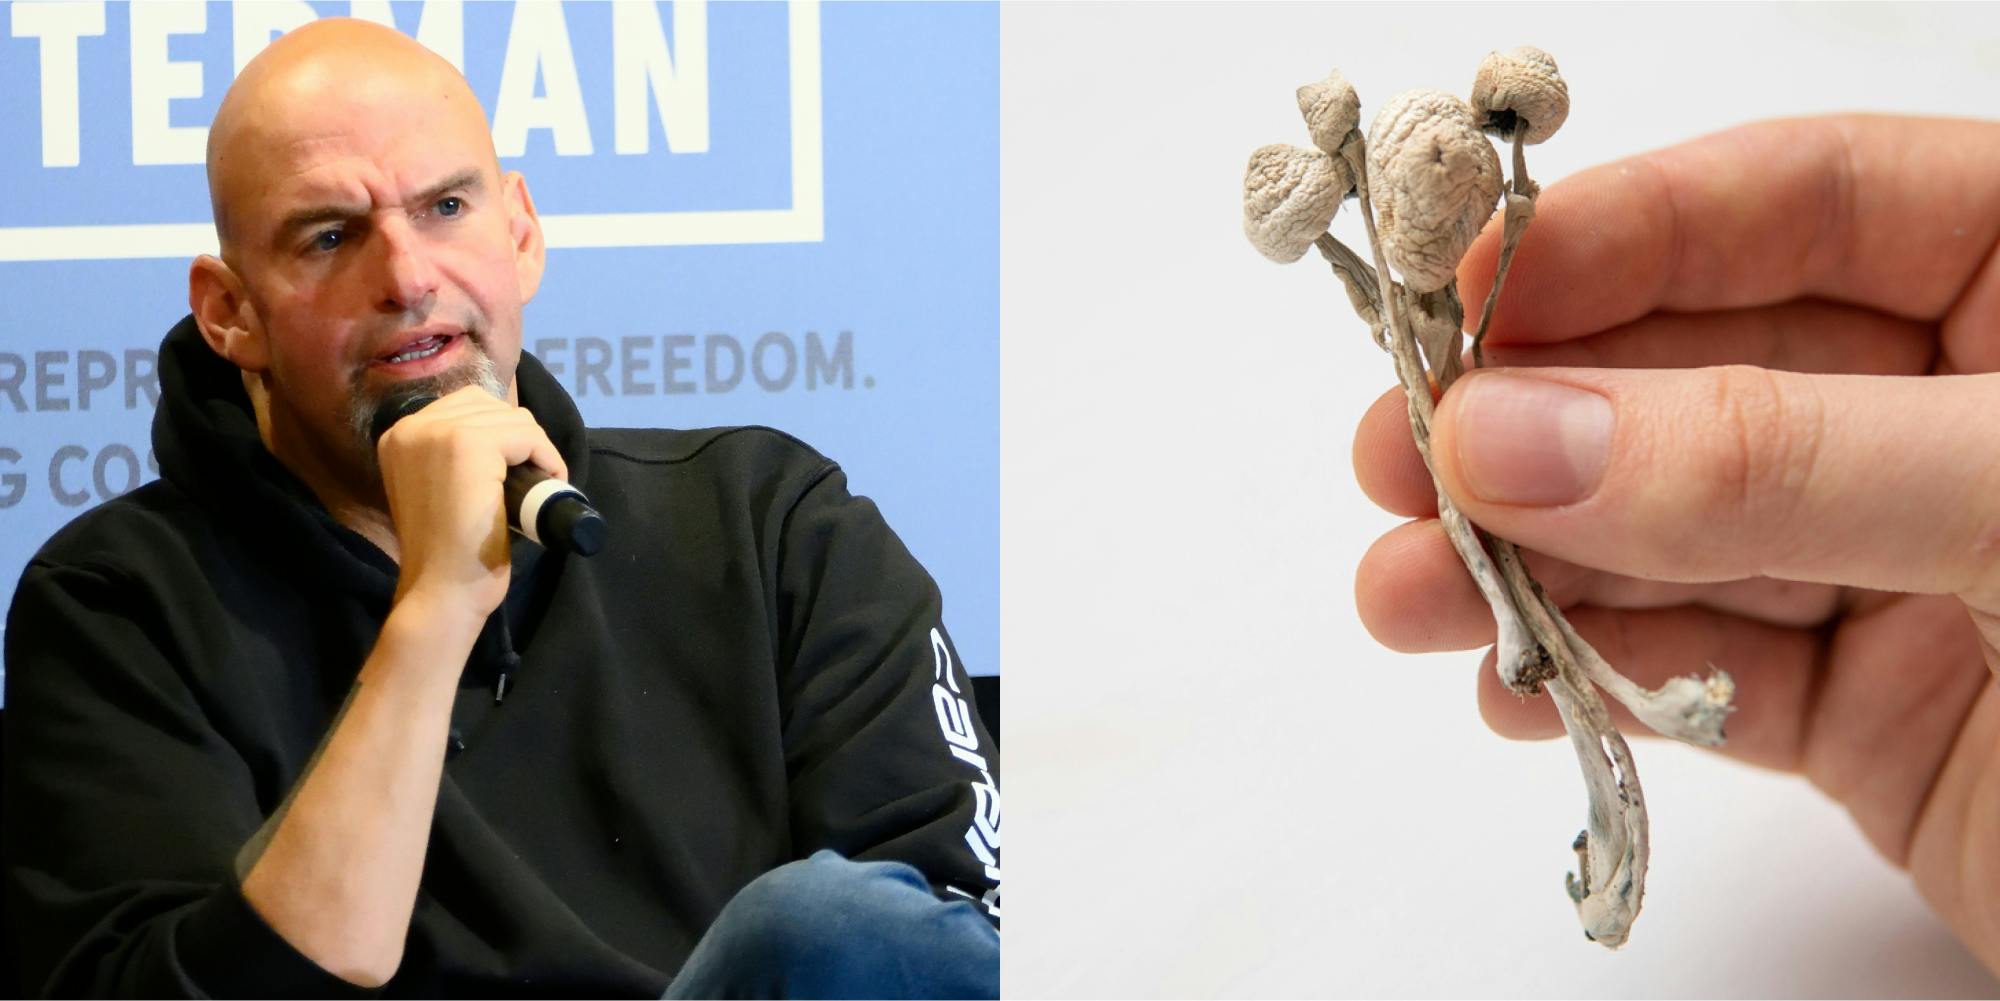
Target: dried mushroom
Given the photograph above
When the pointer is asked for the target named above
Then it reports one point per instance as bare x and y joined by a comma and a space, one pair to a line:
1521, 91
1290, 194
1435, 181
1332, 110
1428, 165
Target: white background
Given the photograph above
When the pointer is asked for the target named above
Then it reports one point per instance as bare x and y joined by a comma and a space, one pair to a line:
1218, 783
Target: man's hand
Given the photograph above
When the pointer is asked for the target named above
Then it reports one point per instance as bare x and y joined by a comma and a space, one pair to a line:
1741, 424
442, 469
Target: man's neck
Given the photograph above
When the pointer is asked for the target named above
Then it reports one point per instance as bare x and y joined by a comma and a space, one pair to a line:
364, 512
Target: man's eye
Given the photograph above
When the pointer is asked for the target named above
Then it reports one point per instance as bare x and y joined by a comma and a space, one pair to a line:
450, 206
327, 240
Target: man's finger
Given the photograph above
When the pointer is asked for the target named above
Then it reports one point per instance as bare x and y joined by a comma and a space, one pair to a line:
1414, 596
522, 440
1901, 691
1896, 214
515, 433
1774, 669
1386, 463
1881, 482
1806, 336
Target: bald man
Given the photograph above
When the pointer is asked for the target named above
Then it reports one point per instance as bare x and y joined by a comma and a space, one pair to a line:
303, 718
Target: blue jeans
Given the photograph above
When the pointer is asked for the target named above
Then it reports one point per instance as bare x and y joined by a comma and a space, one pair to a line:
826, 927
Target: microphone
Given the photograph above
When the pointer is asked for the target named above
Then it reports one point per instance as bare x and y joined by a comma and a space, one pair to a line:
548, 511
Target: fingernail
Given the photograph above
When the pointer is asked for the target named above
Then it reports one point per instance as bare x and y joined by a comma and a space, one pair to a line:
1526, 441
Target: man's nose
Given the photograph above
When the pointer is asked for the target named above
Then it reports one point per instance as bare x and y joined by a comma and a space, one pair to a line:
409, 275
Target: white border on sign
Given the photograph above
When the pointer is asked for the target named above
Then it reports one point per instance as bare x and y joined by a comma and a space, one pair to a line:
803, 222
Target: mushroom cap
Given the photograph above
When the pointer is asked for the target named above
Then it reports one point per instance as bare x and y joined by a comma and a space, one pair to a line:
1520, 86
1290, 194
1332, 110
1434, 181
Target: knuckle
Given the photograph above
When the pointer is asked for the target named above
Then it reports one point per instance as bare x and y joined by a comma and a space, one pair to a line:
403, 438
1768, 428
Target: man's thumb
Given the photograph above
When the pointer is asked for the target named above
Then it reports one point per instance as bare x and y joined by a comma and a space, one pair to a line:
1886, 482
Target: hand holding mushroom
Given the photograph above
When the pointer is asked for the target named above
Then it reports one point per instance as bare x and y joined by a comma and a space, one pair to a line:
1427, 180
1791, 330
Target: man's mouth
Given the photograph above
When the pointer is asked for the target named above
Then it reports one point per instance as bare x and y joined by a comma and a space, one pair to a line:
421, 349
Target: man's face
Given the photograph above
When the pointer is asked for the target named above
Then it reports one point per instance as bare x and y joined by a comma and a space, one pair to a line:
378, 244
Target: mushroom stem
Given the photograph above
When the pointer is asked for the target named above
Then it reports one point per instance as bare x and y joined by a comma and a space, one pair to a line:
1610, 882
1520, 209
1613, 849
1523, 186
1521, 663
1359, 278
1438, 318
1686, 708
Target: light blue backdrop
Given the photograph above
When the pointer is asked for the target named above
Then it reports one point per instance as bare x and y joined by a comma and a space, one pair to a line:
826, 262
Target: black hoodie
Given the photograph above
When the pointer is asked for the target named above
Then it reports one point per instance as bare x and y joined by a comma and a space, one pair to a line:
753, 668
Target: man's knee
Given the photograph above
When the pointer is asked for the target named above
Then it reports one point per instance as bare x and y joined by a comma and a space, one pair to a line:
827, 926
828, 902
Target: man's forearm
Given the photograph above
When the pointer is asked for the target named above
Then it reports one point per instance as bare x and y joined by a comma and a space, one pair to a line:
336, 869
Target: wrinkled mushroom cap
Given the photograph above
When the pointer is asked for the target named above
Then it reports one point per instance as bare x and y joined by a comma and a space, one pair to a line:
1434, 180
1332, 110
1519, 87
1289, 196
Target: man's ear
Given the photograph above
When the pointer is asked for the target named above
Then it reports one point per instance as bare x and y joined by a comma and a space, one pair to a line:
222, 310
525, 228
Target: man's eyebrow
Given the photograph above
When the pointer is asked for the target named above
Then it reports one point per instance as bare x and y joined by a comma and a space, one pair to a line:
299, 219
465, 180
469, 180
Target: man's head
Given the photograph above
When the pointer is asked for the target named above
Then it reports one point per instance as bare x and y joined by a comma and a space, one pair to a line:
364, 222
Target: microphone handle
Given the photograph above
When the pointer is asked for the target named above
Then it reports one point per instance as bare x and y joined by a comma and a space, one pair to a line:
551, 512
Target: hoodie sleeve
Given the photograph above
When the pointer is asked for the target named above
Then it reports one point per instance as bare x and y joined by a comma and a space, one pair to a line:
888, 757
126, 811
